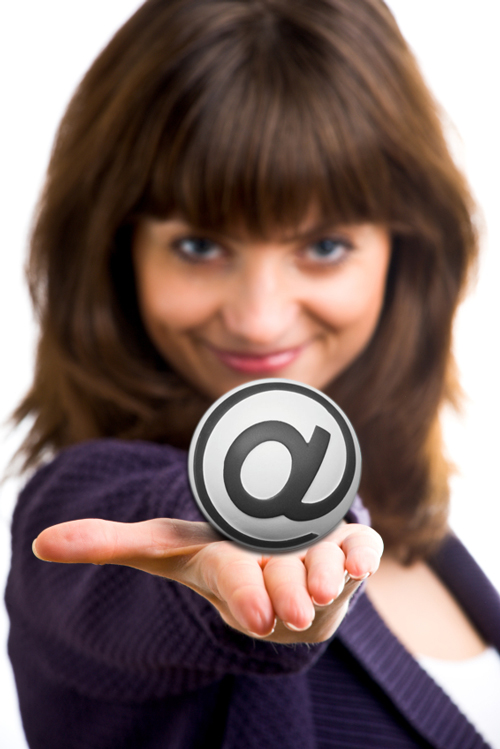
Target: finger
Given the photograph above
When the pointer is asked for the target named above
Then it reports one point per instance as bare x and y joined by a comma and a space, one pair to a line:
105, 542
325, 565
235, 576
363, 549
286, 582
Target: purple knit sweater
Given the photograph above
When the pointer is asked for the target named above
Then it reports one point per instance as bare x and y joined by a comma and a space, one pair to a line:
111, 658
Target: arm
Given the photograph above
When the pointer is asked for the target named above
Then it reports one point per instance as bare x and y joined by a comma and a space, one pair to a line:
123, 624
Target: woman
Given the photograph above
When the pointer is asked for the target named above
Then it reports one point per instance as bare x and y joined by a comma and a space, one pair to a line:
237, 190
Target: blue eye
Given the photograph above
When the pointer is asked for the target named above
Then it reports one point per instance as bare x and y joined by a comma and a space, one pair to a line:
330, 249
197, 248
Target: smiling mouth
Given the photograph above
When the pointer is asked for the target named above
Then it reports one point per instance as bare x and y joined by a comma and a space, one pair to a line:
257, 363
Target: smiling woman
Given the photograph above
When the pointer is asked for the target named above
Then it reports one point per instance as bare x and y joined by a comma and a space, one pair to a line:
274, 124
239, 189
223, 311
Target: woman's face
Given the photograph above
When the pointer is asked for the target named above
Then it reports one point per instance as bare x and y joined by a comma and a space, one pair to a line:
224, 310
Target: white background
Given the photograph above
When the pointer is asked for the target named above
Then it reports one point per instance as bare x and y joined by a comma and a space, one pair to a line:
46, 47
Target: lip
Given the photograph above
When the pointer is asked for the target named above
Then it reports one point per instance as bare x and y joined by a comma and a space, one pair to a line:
258, 363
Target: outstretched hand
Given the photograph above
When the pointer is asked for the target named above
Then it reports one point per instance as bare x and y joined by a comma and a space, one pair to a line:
294, 597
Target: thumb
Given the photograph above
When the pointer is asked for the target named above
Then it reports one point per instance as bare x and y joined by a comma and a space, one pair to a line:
107, 542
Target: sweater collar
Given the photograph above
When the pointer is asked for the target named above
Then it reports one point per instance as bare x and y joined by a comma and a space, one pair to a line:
419, 699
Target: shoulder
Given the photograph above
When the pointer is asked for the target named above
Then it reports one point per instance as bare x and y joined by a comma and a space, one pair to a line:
95, 460
121, 454
113, 479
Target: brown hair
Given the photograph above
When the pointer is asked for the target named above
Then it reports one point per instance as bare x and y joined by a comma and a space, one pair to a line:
247, 112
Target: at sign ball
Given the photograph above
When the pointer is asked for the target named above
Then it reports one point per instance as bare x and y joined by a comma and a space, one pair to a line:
274, 465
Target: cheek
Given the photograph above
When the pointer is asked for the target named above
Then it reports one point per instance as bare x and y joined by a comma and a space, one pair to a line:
351, 306
171, 304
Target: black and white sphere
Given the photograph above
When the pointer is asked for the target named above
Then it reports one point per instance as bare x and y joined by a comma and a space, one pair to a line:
274, 465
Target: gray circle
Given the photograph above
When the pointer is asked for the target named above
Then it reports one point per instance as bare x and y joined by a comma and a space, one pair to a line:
303, 493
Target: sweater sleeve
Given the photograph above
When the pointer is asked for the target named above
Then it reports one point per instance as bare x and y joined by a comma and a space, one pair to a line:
112, 632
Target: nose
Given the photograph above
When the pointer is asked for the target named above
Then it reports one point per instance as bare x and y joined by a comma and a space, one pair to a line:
261, 306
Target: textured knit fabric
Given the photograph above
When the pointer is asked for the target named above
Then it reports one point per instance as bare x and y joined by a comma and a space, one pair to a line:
111, 658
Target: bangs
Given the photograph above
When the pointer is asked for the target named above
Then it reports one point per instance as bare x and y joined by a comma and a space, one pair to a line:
265, 137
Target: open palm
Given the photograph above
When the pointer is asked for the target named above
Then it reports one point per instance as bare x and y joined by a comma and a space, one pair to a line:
293, 597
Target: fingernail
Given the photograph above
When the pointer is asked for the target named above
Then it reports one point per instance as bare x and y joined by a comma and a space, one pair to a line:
323, 604
337, 594
360, 579
298, 629
260, 637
